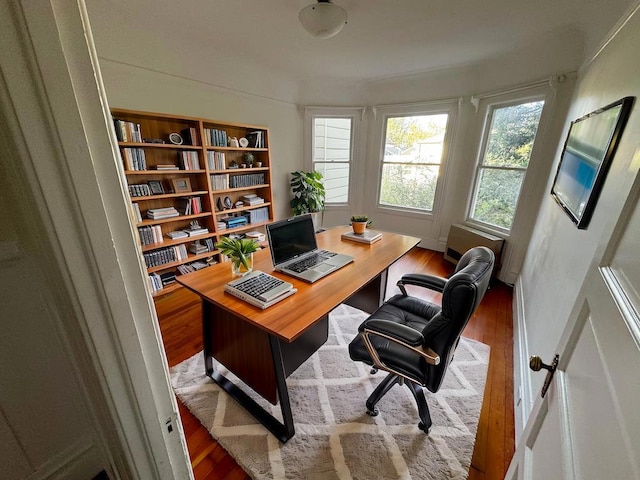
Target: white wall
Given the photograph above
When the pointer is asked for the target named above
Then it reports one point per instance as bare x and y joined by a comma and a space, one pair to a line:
136, 88
559, 253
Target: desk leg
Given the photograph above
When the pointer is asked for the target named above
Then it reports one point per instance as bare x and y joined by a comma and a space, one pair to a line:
207, 313
282, 431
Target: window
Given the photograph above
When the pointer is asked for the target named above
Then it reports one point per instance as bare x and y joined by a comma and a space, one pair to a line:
332, 139
509, 135
413, 151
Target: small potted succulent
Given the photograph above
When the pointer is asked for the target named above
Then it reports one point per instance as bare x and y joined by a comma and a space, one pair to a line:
359, 223
240, 252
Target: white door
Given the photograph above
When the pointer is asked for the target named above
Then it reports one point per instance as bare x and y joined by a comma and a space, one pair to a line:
588, 424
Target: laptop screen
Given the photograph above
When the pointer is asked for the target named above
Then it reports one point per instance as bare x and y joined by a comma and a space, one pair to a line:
291, 238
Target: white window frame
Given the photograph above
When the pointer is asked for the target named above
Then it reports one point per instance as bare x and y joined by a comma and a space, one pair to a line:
353, 113
448, 107
487, 110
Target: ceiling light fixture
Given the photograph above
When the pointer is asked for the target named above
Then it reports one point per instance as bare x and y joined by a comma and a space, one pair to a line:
323, 19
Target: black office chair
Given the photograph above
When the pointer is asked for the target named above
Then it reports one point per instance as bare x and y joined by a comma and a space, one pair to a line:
415, 340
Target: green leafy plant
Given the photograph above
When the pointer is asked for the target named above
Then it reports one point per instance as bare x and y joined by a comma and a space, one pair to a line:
238, 250
362, 219
308, 192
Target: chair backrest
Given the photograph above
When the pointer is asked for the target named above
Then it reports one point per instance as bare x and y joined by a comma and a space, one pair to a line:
461, 296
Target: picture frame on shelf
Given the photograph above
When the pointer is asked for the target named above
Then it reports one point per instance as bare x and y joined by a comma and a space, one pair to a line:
586, 156
181, 185
156, 187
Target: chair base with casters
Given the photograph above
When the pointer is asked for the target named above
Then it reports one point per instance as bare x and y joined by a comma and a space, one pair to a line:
414, 388
415, 340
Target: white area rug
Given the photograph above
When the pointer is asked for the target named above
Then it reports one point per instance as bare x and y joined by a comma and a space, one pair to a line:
335, 438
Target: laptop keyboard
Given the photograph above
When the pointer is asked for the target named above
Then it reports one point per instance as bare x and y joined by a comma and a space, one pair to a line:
310, 261
259, 284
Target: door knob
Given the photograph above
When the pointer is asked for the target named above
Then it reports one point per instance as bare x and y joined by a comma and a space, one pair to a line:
536, 364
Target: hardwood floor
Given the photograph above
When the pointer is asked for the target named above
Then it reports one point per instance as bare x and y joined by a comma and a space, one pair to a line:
180, 324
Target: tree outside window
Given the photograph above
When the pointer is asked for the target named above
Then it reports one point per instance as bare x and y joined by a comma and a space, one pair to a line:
411, 161
508, 147
332, 138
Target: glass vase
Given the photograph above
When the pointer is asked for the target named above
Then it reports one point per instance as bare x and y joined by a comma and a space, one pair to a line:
242, 265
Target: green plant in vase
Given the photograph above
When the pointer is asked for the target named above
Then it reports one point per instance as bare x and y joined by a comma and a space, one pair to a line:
240, 252
360, 223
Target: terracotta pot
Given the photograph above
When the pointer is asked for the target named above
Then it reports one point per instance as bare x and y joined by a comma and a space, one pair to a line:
359, 227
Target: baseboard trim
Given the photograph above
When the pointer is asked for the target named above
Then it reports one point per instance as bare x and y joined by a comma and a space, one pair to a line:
522, 395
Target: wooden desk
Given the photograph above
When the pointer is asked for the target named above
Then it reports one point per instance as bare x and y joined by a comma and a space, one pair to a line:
263, 347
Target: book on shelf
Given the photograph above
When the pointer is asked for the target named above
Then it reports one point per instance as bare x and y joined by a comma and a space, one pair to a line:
216, 160
189, 205
177, 234
198, 248
159, 213
136, 212
197, 231
167, 278
190, 136
252, 199
368, 237
189, 160
255, 235
256, 139
167, 167
127, 131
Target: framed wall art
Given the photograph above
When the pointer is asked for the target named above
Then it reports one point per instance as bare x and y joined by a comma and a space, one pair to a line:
587, 154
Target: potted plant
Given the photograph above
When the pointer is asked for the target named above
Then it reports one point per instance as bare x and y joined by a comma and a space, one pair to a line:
240, 252
359, 223
308, 195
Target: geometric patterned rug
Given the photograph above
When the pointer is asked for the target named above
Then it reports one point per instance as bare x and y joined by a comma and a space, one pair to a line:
335, 438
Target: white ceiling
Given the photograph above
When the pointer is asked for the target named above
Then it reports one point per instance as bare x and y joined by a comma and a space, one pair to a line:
382, 39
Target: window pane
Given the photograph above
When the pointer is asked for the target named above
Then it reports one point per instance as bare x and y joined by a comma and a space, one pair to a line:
332, 143
336, 181
411, 186
412, 155
497, 195
513, 130
416, 139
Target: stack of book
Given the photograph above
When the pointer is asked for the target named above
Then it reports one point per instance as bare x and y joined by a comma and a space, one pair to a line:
221, 226
368, 237
255, 235
236, 221
252, 199
167, 167
167, 278
197, 248
160, 213
197, 231
177, 234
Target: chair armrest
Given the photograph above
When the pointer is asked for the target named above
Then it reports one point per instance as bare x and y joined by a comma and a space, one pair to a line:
398, 334
421, 280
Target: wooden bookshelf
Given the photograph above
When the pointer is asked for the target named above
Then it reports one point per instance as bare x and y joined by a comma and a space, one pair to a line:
218, 170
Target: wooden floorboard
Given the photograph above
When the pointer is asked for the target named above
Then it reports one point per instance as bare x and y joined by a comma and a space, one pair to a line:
180, 323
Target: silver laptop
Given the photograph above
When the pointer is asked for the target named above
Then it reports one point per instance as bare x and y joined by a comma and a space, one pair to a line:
294, 250
260, 289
